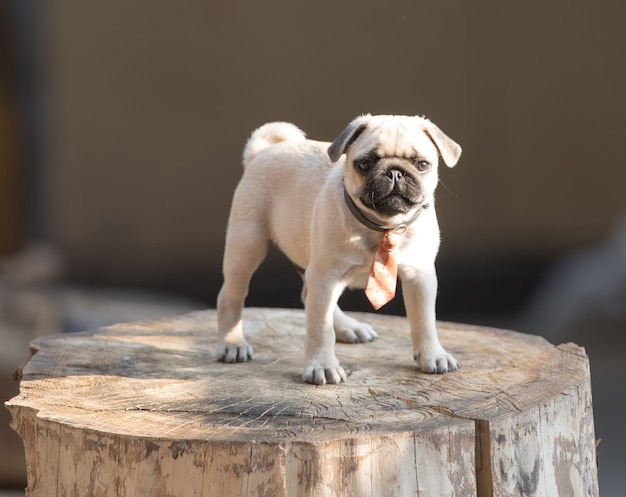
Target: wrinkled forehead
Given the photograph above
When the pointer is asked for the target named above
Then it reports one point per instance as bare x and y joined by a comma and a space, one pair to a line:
396, 137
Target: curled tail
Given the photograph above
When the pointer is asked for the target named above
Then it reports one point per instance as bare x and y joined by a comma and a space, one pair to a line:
270, 134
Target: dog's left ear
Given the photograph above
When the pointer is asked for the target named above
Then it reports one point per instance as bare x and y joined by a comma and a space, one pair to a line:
450, 150
347, 137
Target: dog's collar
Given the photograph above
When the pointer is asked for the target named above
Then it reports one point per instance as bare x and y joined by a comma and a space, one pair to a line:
368, 223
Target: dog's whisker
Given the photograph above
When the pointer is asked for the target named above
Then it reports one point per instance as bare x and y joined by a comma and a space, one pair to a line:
445, 187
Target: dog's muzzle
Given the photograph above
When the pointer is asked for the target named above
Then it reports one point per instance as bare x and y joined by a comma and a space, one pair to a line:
392, 191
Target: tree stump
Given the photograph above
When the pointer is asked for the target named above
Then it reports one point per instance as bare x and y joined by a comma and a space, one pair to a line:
144, 409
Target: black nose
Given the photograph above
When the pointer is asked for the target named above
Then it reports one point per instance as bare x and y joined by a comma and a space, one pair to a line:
395, 174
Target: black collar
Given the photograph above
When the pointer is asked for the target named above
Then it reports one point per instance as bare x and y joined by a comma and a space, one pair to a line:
368, 223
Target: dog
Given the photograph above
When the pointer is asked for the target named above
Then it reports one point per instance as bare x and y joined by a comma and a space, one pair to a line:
329, 207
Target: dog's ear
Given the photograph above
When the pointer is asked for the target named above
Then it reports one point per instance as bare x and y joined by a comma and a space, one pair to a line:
449, 150
347, 137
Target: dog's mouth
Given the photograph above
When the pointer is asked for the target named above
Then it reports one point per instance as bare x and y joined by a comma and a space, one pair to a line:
392, 202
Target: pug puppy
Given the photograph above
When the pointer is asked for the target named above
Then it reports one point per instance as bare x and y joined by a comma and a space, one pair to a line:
327, 206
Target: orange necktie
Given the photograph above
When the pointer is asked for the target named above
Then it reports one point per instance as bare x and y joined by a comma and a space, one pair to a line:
381, 284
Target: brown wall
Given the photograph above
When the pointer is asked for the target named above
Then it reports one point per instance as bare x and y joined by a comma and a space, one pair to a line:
149, 105
10, 187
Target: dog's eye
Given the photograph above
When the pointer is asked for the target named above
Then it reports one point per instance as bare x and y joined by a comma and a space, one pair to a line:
422, 166
363, 165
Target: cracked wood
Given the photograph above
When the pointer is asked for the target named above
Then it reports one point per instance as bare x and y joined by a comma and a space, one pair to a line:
144, 409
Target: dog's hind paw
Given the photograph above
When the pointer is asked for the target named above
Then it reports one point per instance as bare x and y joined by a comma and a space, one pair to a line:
349, 330
322, 375
234, 353
440, 362
360, 333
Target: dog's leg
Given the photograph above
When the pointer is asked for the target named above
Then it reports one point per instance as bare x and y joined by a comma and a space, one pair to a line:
245, 250
322, 365
419, 287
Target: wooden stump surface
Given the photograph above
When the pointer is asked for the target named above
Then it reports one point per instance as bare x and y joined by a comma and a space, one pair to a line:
145, 409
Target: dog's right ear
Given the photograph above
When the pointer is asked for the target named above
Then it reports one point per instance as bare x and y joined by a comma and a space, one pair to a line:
347, 137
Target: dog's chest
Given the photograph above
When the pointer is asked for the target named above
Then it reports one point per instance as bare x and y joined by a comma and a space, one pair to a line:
356, 276
358, 256
361, 250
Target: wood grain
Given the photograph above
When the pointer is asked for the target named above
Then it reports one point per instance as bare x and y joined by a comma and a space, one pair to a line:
145, 409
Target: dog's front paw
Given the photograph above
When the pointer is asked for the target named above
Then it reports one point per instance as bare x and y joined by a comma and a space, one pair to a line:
241, 352
320, 373
436, 361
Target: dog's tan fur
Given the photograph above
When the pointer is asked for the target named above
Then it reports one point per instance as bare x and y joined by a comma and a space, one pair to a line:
292, 193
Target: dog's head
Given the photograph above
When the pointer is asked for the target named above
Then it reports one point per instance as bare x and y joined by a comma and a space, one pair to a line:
391, 163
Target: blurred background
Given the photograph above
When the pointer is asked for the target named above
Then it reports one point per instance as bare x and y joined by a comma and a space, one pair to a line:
122, 125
